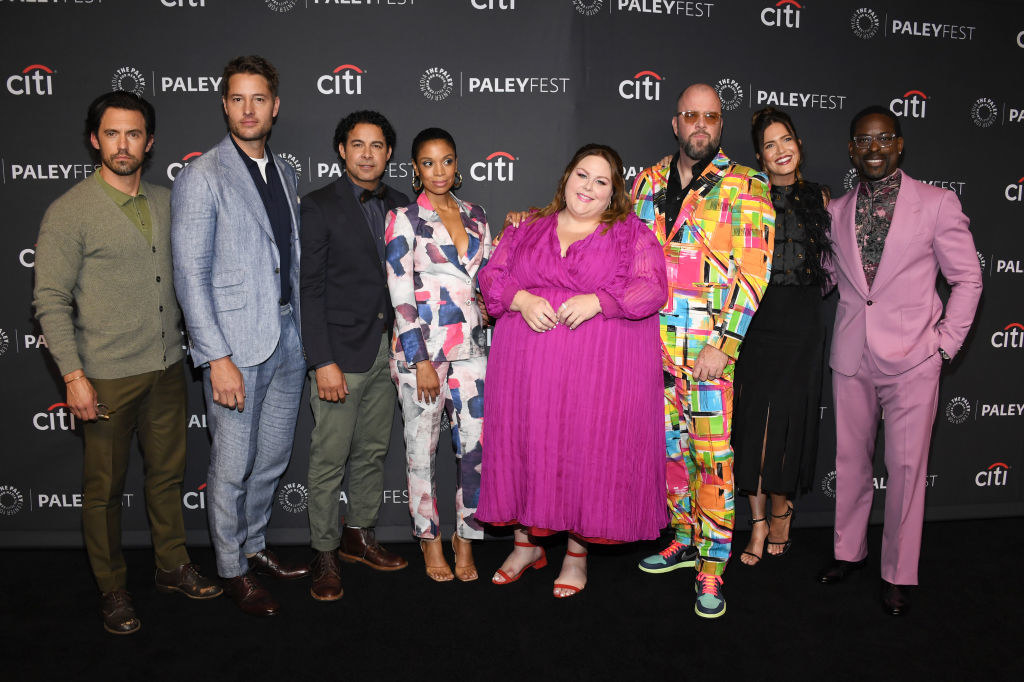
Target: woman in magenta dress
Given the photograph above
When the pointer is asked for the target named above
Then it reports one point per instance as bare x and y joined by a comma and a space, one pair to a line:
573, 426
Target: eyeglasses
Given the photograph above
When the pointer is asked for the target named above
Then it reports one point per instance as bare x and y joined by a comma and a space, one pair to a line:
710, 117
884, 140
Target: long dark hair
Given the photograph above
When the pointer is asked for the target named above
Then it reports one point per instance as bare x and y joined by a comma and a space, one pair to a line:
808, 198
620, 206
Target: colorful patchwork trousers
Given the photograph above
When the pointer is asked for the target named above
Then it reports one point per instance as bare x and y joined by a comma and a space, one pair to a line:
462, 398
698, 424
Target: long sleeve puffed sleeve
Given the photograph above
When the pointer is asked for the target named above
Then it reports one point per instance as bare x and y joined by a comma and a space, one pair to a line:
639, 287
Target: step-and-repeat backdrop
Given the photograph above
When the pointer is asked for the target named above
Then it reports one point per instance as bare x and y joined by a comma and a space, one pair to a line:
520, 84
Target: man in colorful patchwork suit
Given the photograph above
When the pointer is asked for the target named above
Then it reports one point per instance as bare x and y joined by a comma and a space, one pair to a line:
716, 223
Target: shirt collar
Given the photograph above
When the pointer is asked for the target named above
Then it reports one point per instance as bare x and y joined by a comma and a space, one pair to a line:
116, 195
886, 184
248, 160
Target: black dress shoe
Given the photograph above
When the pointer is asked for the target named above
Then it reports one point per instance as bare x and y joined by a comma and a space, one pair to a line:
188, 580
895, 599
251, 597
266, 563
838, 569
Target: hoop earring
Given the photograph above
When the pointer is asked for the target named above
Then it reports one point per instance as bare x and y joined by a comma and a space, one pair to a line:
458, 180
417, 183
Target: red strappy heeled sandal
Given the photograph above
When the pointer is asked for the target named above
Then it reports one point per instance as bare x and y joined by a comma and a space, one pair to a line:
507, 579
572, 589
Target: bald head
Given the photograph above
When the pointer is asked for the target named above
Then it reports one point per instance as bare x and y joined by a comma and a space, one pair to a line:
702, 90
698, 136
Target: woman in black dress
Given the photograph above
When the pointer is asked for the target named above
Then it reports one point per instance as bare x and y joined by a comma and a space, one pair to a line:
778, 376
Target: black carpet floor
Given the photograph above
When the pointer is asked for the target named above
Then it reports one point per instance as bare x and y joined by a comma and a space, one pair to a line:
966, 622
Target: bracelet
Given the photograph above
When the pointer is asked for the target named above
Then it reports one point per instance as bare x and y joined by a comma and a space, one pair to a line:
80, 376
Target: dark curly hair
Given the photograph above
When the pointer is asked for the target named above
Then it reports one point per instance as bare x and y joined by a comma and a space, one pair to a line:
376, 118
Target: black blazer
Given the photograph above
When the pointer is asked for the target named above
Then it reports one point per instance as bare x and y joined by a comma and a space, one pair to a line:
343, 287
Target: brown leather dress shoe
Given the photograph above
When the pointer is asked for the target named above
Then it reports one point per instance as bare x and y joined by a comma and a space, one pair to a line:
895, 599
189, 581
360, 545
118, 615
838, 569
266, 563
326, 577
251, 597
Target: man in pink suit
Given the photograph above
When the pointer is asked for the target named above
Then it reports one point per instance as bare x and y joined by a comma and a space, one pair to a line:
891, 236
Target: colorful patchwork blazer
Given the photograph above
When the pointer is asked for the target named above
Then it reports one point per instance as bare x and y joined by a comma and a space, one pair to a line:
433, 289
718, 254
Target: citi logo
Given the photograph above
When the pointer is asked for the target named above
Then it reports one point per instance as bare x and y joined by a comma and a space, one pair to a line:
183, 3
645, 85
11, 500
493, 4
782, 15
911, 105
57, 417
497, 167
1015, 191
27, 257
996, 474
195, 499
1011, 336
346, 79
174, 168
34, 79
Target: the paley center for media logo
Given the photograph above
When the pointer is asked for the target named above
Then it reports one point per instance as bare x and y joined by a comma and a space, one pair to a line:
129, 79
730, 93
11, 500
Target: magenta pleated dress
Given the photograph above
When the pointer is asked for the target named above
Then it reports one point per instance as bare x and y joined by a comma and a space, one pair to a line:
574, 428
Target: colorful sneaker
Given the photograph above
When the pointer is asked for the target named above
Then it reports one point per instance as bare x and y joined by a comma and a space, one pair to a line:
676, 555
710, 600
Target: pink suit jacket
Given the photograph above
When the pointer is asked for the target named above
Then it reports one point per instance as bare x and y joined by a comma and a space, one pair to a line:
900, 318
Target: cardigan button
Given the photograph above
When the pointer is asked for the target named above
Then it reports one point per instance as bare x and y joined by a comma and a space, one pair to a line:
870, 302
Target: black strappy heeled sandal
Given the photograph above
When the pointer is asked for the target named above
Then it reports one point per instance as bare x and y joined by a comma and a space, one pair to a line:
791, 512
752, 522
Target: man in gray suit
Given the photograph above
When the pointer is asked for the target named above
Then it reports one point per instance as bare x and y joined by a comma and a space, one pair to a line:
235, 237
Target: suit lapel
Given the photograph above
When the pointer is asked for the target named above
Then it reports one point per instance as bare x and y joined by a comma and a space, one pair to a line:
905, 219
709, 178
350, 208
239, 179
845, 235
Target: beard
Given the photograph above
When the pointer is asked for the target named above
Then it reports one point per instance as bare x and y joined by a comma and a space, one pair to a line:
699, 149
123, 167
250, 134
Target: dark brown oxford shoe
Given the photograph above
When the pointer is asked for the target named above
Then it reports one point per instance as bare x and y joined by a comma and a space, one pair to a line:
838, 570
326, 572
895, 599
250, 596
265, 562
118, 614
189, 581
360, 545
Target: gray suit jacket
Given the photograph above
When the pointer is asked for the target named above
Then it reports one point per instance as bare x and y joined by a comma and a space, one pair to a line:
226, 261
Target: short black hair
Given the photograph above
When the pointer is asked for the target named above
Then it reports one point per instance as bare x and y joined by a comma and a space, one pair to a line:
428, 134
881, 111
118, 99
251, 64
376, 118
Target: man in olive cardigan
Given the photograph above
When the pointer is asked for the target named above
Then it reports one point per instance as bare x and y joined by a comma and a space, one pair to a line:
104, 296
